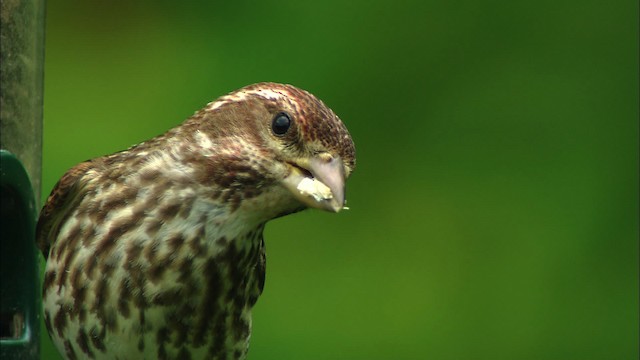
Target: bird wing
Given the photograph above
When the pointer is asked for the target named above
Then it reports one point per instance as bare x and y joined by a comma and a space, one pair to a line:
60, 203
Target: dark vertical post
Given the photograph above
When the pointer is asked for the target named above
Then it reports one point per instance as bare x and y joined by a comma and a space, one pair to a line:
21, 77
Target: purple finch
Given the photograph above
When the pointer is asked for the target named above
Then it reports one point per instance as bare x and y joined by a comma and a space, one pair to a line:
157, 252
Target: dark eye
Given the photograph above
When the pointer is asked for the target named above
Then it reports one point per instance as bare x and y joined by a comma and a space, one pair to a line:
281, 124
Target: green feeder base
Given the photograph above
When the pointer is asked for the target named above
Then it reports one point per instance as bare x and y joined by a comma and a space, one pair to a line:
19, 285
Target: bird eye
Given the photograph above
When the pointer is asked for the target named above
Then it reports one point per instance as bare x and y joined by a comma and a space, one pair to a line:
281, 124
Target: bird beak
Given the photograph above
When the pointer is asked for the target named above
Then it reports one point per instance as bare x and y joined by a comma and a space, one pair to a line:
318, 182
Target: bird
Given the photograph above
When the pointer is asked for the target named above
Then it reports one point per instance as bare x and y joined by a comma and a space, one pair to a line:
157, 251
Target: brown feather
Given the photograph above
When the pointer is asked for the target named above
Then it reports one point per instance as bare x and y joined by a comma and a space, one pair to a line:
61, 202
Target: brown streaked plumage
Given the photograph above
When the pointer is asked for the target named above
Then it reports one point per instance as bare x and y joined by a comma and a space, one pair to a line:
157, 251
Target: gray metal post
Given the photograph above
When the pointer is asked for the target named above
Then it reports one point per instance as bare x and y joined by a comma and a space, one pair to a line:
21, 77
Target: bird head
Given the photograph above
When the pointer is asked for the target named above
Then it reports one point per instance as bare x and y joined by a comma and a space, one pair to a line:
279, 139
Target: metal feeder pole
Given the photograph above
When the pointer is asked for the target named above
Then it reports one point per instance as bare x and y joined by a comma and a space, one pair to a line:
21, 77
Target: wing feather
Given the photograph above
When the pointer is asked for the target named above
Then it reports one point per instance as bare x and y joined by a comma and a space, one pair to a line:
60, 203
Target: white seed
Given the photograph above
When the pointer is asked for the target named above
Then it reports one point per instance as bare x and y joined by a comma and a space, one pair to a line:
315, 188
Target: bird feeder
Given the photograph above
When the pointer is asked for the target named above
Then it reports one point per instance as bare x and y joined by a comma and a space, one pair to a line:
21, 76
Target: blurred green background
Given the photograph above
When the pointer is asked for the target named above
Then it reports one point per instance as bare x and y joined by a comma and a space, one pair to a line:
494, 209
